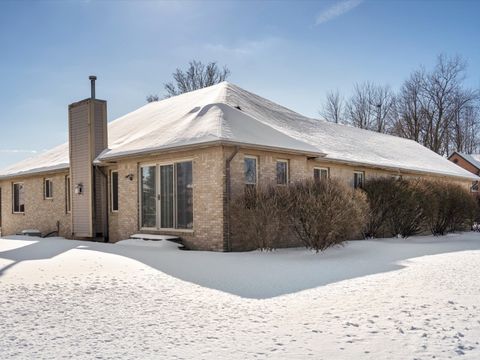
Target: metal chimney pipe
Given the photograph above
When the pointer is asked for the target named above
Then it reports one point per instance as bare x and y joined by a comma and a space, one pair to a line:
92, 85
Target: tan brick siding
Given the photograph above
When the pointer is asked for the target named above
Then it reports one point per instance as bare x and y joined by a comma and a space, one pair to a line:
208, 180
40, 213
208, 193
460, 161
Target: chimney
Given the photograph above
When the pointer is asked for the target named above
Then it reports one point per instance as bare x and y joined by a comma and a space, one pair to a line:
92, 86
87, 125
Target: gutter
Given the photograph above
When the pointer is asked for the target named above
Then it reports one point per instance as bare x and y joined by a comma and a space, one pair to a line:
398, 169
101, 159
227, 246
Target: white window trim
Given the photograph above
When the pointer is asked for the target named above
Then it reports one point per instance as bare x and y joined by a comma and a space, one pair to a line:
157, 166
363, 177
45, 197
68, 194
13, 198
111, 191
256, 169
471, 187
286, 161
321, 168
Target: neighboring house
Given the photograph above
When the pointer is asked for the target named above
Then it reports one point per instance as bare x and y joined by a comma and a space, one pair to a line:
470, 162
172, 167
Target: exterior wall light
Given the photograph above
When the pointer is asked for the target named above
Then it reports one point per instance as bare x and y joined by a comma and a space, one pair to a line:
129, 177
79, 189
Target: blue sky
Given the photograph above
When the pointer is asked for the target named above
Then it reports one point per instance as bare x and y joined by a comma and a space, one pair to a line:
289, 52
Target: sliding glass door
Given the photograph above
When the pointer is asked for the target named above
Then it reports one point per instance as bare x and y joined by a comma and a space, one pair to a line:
149, 197
167, 199
184, 195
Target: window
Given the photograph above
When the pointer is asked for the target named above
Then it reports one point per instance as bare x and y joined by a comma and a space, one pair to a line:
18, 198
114, 191
250, 170
282, 172
474, 187
68, 194
167, 203
48, 189
320, 174
358, 179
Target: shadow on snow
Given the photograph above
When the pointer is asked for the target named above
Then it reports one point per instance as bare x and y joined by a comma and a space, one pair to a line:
261, 275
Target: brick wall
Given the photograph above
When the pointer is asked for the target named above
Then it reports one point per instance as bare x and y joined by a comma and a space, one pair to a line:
208, 194
40, 213
460, 161
208, 181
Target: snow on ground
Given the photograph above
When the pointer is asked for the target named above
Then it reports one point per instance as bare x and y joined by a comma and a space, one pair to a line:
381, 299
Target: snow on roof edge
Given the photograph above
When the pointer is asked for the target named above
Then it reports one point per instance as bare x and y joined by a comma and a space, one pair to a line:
221, 141
37, 171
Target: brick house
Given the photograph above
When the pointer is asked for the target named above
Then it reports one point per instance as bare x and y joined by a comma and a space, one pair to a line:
171, 167
470, 162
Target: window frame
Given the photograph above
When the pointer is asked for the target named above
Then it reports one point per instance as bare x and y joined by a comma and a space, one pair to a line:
287, 171
68, 194
157, 166
256, 170
112, 209
13, 198
47, 181
355, 186
327, 169
474, 183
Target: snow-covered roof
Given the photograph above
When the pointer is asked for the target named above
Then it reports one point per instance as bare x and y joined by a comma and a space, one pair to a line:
229, 114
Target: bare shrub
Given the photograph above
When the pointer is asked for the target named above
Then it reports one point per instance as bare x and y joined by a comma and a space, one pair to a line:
326, 213
406, 217
394, 207
446, 206
381, 194
258, 219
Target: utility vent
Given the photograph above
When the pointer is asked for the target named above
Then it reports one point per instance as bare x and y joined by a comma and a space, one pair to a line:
238, 107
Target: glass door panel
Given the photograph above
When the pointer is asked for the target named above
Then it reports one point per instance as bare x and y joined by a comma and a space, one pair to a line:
166, 196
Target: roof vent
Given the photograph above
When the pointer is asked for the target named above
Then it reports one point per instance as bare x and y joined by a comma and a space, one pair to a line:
92, 86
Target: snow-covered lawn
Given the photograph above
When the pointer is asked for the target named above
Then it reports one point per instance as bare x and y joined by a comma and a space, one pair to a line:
382, 299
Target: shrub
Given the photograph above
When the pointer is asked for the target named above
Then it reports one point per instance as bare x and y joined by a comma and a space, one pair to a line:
406, 216
446, 206
257, 218
325, 213
394, 207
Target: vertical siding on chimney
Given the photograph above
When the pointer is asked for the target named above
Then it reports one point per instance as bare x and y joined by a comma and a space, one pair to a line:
81, 168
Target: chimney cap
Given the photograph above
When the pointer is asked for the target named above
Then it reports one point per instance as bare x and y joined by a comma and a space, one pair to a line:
92, 77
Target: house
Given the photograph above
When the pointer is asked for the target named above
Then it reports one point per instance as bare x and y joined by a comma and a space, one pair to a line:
172, 167
470, 162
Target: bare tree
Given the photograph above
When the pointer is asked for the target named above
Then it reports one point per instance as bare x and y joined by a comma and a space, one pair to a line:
152, 98
435, 109
465, 123
196, 76
439, 89
409, 109
370, 107
333, 107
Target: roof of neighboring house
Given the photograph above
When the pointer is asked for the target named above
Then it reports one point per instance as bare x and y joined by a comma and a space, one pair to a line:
473, 159
226, 113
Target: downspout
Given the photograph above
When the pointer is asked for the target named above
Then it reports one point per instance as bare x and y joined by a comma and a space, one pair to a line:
227, 246
106, 225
